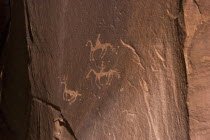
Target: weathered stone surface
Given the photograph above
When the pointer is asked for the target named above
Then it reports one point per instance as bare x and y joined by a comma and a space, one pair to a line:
128, 84
197, 52
108, 69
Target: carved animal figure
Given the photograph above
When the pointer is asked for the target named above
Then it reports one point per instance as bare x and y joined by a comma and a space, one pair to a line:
98, 46
68, 95
98, 75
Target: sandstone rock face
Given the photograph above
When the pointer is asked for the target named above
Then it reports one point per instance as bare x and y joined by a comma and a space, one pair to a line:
107, 69
197, 52
111, 69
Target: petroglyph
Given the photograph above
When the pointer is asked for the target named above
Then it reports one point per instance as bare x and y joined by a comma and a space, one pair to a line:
102, 73
153, 69
131, 85
137, 60
159, 56
171, 15
122, 89
129, 113
68, 95
98, 46
205, 58
143, 83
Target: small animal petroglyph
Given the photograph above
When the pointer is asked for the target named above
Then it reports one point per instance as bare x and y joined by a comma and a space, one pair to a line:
98, 46
137, 60
102, 73
68, 95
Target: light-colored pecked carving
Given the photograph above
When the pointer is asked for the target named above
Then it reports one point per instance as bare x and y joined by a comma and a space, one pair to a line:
151, 121
68, 95
171, 15
159, 56
137, 59
98, 46
144, 85
102, 73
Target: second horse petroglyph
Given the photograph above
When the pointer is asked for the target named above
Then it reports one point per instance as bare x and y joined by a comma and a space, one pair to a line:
102, 73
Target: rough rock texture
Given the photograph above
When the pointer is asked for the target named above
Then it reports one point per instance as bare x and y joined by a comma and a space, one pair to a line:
96, 69
197, 52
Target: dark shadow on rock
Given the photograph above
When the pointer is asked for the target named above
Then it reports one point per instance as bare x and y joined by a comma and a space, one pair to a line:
15, 101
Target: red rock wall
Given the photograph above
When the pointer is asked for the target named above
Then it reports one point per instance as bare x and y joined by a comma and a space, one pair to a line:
197, 52
107, 69
113, 69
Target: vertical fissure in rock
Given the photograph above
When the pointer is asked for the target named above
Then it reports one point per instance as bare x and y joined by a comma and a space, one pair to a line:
66, 124
182, 37
57, 108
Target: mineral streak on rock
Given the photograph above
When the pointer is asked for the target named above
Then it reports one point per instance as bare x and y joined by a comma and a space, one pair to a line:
137, 59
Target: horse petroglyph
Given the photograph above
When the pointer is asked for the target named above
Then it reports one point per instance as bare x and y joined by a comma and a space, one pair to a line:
137, 59
68, 95
102, 73
98, 46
